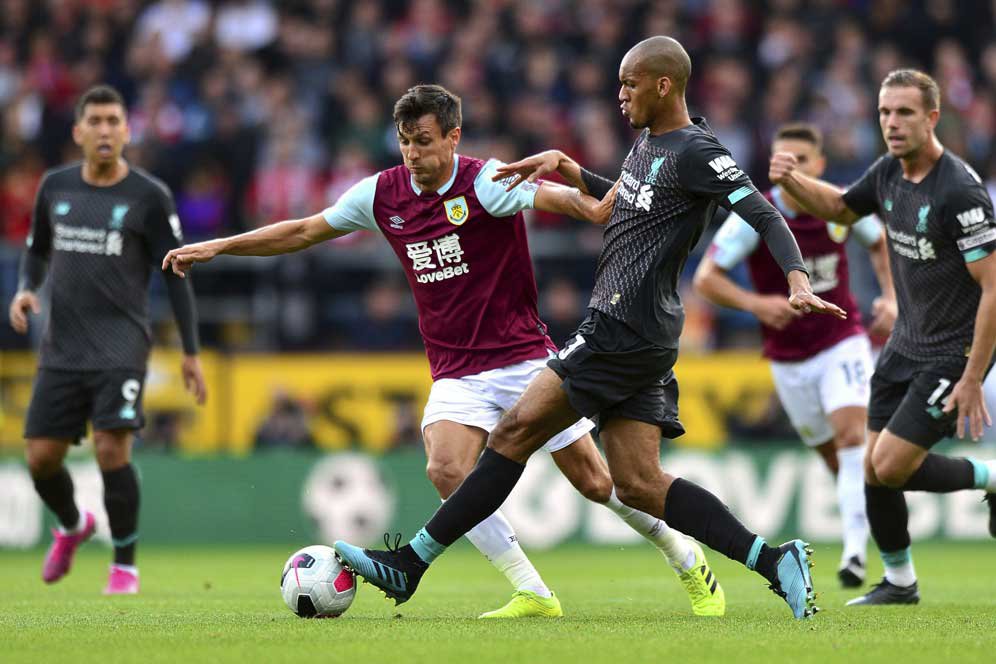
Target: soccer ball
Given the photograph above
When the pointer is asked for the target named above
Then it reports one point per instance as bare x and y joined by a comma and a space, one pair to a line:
315, 585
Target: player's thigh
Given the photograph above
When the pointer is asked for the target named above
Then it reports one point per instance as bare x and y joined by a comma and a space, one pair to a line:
889, 384
541, 412
117, 400
845, 389
60, 405
797, 386
451, 449
633, 452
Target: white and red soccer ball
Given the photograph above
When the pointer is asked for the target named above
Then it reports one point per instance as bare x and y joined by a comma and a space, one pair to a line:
315, 585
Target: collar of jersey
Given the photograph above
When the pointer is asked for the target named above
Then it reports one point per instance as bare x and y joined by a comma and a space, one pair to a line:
776, 194
446, 187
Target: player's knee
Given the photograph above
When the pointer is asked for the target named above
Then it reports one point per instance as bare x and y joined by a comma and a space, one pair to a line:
889, 472
513, 436
42, 463
634, 491
445, 475
596, 487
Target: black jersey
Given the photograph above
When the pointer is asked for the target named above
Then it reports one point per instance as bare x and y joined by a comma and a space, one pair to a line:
671, 185
934, 228
100, 244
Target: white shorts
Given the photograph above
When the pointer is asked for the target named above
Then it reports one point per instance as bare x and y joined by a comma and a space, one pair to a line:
479, 400
812, 389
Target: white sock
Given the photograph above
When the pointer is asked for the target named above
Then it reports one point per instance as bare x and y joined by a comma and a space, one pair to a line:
495, 538
80, 525
671, 543
991, 483
851, 500
131, 569
899, 568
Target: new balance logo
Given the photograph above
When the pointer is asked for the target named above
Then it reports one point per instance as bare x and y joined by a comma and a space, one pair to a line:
971, 217
396, 222
720, 164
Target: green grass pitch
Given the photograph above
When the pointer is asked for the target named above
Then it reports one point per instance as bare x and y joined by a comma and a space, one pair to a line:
621, 605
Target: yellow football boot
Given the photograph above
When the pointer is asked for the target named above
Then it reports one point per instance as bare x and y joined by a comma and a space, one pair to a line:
527, 604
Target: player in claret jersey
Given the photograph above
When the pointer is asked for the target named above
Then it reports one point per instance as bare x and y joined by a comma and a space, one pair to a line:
461, 239
619, 364
821, 367
928, 380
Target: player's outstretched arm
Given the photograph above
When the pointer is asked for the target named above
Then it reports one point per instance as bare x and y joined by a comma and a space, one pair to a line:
283, 237
966, 397
556, 198
712, 282
821, 199
531, 169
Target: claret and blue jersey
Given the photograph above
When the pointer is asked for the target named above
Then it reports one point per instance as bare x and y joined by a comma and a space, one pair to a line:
466, 258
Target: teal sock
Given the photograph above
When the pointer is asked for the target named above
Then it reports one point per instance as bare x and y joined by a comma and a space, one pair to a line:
425, 547
981, 471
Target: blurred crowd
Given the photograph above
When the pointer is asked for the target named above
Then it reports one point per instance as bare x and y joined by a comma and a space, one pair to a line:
258, 110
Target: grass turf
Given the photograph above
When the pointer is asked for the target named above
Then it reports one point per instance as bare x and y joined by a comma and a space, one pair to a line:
621, 605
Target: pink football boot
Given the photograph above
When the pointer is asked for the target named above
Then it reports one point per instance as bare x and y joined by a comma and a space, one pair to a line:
59, 558
121, 582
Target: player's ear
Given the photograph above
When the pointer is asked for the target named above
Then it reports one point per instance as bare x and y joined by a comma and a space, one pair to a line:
933, 116
77, 133
664, 86
454, 136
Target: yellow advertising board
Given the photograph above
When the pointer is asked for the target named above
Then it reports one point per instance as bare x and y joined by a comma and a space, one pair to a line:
371, 401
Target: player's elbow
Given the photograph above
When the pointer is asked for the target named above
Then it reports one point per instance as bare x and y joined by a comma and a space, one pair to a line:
705, 275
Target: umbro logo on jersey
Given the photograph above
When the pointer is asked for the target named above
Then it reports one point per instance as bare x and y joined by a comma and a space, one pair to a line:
397, 222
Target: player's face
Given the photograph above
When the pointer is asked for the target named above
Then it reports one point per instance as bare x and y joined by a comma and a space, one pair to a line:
427, 153
809, 158
906, 124
102, 133
638, 94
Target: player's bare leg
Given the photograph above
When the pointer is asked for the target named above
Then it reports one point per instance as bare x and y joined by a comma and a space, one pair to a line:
584, 466
121, 499
848, 448
452, 449
45, 457
540, 413
894, 465
632, 449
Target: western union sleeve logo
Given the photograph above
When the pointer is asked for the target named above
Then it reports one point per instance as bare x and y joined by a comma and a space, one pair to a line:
456, 210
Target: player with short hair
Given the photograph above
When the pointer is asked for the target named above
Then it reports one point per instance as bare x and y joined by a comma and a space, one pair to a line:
820, 367
461, 239
619, 364
97, 227
928, 380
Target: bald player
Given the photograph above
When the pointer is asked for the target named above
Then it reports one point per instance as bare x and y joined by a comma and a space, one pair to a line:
618, 366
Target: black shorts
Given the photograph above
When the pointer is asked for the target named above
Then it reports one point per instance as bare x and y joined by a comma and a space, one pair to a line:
908, 396
62, 401
610, 371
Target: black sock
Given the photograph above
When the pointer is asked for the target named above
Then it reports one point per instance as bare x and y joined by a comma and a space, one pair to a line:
121, 500
56, 492
481, 493
942, 474
888, 517
694, 511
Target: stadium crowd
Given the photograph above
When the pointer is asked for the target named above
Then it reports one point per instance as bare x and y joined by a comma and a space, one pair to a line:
255, 111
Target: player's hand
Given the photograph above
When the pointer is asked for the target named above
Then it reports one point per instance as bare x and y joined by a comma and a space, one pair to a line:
193, 378
808, 303
181, 259
967, 400
774, 311
781, 166
603, 209
19, 306
529, 169
884, 313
